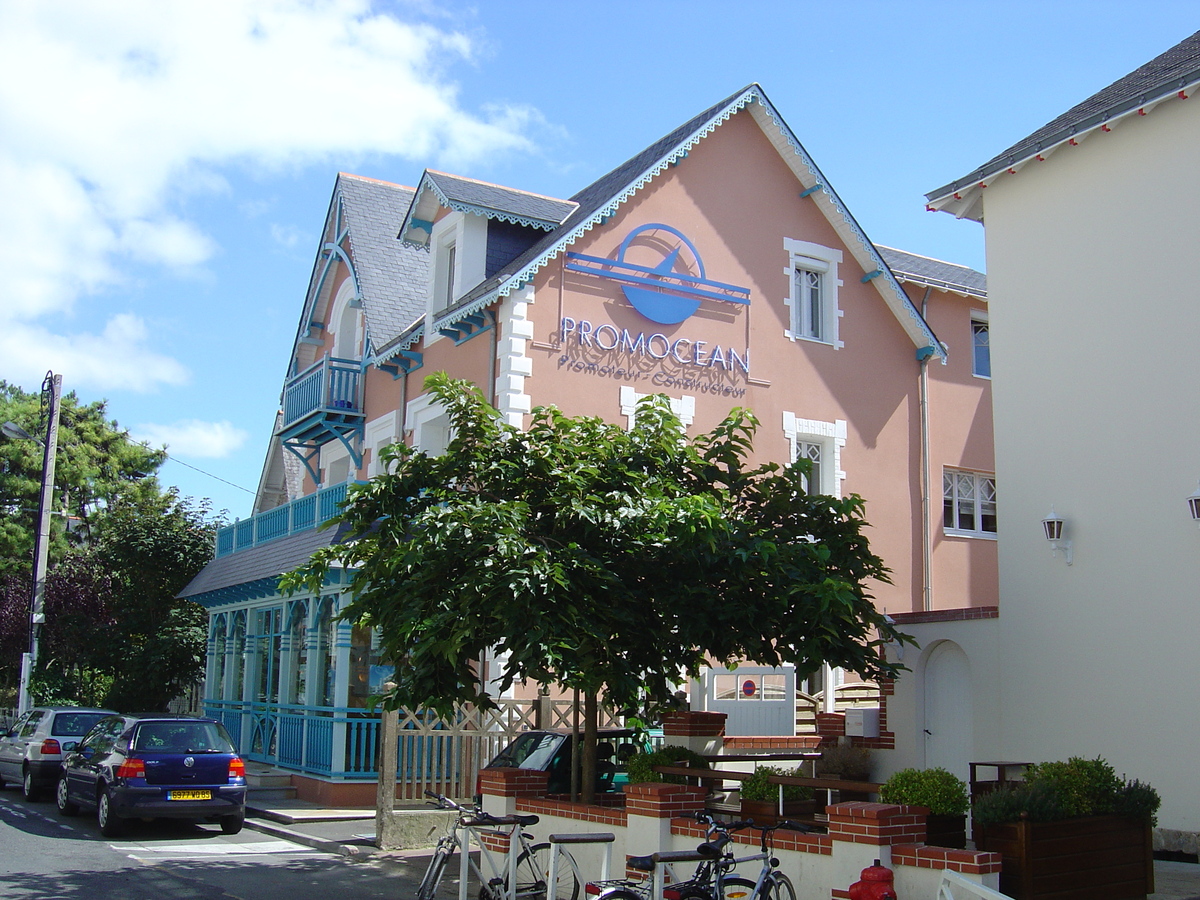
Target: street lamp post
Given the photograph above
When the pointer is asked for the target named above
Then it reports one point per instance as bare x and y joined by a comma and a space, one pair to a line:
52, 390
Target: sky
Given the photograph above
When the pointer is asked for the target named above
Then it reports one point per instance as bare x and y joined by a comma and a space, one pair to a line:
165, 168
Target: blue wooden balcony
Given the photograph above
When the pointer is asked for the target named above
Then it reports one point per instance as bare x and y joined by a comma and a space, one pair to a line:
299, 515
322, 401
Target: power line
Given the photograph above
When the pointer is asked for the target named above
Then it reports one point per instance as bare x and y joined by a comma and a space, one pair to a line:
202, 472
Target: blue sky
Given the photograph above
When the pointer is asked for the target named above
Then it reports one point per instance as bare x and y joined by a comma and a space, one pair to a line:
165, 168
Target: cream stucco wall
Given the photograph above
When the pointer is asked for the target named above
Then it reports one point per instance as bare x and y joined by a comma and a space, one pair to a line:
1094, 323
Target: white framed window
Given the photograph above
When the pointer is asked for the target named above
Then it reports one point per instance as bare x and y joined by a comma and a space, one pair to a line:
379, 433
813, 296
968, 503
821, 444
429, 425
981, 350
684, 407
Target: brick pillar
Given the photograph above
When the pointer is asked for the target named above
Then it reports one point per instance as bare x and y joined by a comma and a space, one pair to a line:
648, 812
831, 725
502, 787
702, 732
863, 832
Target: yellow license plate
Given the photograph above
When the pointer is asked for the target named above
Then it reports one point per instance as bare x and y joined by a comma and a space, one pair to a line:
189, 795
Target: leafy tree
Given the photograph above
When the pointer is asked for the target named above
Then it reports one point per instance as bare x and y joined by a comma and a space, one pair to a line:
97, 466
610, 561
115, 634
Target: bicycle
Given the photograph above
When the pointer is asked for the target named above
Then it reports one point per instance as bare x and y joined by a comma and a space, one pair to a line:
520, 877
771, 884
708, 857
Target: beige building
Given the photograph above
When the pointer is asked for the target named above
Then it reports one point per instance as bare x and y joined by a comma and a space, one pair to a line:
1091, 226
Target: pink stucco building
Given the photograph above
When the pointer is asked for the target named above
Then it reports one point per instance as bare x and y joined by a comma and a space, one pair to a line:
719, 267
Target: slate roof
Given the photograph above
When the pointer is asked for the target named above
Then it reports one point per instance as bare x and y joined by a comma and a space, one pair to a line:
1161, 78
934, 273
391, 275
469, 195
256, 563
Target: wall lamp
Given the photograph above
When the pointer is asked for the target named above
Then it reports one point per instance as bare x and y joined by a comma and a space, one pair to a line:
1193, 502
1053, 526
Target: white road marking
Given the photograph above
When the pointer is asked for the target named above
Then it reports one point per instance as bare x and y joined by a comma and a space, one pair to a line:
159, 852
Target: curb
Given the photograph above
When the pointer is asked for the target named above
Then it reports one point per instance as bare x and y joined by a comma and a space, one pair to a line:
298, 837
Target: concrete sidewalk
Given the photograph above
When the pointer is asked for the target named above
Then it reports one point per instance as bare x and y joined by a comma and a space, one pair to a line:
351, 833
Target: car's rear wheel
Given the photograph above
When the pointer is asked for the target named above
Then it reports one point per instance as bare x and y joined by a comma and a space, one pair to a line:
232, 824
110, 823
29, 788
65, 806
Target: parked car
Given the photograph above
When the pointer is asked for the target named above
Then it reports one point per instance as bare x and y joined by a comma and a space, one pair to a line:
31, 751
550, 751
155, 766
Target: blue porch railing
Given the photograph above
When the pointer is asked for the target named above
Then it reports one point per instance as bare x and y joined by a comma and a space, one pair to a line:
299, 515
329, 386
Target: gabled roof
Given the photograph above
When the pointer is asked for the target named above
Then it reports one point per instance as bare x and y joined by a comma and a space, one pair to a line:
605, 195
391, 277
1169, 76
935, 273
467, 195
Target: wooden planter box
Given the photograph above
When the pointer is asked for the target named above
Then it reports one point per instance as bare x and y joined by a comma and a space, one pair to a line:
1095, 858
946, 831
766, 812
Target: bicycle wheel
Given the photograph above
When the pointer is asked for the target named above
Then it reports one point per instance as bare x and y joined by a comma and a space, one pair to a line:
733, 887
778, 887
533, 870
433, 874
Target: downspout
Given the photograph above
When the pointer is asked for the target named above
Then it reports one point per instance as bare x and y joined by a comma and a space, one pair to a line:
923, 357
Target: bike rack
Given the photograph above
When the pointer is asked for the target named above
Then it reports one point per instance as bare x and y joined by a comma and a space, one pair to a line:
662, 859
594, 837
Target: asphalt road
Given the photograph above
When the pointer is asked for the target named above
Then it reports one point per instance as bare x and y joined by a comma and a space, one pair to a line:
46, 856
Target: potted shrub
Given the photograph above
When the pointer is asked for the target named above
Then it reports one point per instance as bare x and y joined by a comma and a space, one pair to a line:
943, 793
640, 767
760, 797
844, 761
1068, 829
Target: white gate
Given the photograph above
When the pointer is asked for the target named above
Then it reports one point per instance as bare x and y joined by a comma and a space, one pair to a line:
758, 700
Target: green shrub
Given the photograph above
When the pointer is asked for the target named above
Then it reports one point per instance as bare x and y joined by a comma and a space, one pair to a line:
757, 787
850, 762
1038, 802
640, 767
1066, 790
1085, 787
943, 793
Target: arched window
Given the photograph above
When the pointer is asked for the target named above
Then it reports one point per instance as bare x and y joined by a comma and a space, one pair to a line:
344, 321
237, 680
298, 652
326, 653
217, 669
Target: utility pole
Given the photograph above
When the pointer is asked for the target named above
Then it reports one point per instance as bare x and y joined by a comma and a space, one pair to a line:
52, 392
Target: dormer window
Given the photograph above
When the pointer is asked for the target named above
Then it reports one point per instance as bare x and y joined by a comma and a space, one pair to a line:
458, 245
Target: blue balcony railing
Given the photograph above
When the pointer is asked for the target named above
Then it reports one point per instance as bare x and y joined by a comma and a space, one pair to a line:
299, 515
329, 386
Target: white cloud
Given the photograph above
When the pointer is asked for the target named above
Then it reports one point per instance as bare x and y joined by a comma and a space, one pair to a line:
192, 437
287, 235
112, 110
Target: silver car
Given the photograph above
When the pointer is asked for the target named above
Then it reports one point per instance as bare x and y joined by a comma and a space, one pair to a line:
31, 751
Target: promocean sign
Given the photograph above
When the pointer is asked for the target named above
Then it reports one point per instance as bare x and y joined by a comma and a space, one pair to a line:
685, 351
661, 294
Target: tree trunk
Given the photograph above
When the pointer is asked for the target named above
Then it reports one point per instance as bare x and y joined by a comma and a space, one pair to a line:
591, 718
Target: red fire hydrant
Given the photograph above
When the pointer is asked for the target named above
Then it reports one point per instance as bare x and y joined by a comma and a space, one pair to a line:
876, 884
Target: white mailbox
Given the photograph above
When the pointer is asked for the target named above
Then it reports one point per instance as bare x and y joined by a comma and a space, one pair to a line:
862, 721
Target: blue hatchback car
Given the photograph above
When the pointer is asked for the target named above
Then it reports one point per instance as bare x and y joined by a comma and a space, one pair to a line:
155, 766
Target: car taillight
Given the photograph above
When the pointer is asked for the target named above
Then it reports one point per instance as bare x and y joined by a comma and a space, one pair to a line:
50, 745
132, 768
237, 768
